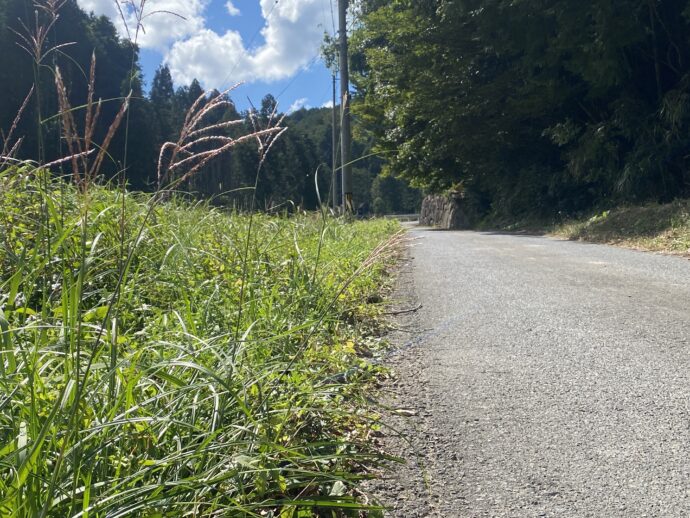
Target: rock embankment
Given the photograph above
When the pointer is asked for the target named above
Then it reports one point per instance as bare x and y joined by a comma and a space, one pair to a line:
444, 211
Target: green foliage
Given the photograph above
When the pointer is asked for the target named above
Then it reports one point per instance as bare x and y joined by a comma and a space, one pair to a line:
537, 107
314, 127
163, 101
661, 228
84, 35
162, 360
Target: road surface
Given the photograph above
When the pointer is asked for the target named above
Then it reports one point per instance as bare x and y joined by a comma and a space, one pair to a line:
544, 378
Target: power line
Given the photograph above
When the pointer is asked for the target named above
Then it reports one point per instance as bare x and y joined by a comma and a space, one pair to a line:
333, 19
299, 74
310, 63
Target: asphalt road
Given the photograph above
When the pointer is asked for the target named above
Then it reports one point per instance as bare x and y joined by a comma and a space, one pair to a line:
546, 378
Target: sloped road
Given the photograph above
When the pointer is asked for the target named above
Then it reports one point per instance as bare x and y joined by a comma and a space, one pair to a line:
547, 378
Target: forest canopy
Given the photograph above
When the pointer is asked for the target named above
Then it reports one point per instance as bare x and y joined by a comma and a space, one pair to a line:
537, 107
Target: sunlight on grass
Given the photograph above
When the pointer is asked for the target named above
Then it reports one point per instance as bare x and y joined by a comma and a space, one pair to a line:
655, 227
150, 368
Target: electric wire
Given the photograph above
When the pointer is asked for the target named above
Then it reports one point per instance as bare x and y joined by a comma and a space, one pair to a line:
311, 62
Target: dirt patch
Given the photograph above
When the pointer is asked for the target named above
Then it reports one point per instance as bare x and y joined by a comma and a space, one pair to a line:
406, 488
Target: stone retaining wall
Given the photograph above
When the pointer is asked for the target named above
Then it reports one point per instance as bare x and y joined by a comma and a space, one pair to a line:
444, 211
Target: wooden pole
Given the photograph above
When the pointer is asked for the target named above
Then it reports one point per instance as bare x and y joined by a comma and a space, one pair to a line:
334, 162
346, 131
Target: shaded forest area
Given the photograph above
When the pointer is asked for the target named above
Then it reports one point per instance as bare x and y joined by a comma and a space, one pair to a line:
546, 108
288, 176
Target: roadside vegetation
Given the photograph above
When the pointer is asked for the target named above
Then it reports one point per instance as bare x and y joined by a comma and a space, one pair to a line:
157, 109
161, 353
653, 227
181, 360
658, 228
530, 108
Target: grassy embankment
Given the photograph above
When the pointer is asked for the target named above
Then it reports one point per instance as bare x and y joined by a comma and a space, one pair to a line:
165, 363
654, 227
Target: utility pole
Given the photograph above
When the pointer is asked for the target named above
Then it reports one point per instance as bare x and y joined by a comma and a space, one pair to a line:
334, 162
346, 131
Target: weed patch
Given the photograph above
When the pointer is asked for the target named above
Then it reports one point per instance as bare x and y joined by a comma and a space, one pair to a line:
659, 228
165, 364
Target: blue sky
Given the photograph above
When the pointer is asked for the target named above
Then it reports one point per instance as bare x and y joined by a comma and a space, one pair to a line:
272, 46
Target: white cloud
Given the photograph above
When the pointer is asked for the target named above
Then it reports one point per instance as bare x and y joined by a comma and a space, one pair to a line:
162, 28
327, 104
293, 34
207, 57
100, 7
232, 10
164, 22
298, 105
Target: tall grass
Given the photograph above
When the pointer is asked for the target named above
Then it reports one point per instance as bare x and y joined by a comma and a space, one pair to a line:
163, 358
225, 384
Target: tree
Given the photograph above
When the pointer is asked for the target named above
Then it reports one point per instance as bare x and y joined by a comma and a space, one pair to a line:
163, 100
142, 138
531, 107
82, 36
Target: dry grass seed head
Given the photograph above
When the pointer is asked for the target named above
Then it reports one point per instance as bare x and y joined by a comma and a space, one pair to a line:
68, 125
33, 40
193, 133
223, 149
80, 148
7, 151
112, 129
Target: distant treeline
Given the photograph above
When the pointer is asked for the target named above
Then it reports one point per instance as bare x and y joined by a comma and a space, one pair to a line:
536, 107
288, 175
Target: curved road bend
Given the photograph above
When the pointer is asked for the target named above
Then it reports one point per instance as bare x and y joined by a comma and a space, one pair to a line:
551, 378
